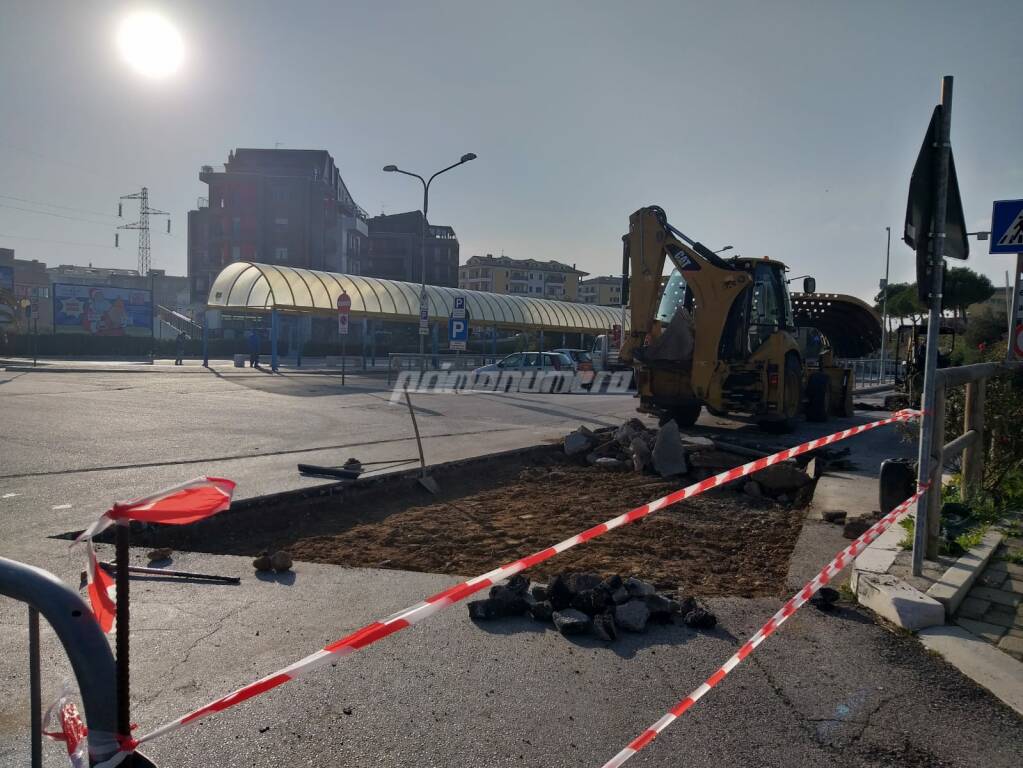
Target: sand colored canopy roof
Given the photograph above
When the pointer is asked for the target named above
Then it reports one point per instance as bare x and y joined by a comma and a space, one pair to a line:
247, 286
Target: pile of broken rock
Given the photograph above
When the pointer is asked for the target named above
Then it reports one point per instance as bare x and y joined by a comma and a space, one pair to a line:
585, 603
670, 453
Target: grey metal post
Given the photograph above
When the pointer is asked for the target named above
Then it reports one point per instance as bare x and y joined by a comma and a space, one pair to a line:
205, 344
884, 304
35, 687
937, 239
274, 330
1014, 312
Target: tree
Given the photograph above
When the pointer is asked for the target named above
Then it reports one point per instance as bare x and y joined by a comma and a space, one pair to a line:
906, 303
896, 306
964, 287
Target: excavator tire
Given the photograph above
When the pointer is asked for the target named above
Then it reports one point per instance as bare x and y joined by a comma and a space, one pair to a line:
818, 397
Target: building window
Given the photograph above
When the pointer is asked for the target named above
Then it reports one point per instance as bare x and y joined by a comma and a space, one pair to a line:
281, 224
280, 194
236, 253
236, 226
281, 254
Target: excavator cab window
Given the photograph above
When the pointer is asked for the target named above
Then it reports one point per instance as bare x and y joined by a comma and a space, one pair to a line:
676, 294
770, 308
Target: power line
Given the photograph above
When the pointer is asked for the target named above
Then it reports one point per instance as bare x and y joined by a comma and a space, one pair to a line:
55, 242
61, 207
57, 215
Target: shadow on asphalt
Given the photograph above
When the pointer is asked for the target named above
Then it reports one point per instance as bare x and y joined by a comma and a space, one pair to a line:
287, 578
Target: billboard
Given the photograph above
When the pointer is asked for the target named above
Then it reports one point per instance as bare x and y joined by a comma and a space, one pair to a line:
102, 310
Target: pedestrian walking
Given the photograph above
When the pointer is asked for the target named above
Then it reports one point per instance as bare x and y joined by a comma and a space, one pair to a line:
254, 350
180, 344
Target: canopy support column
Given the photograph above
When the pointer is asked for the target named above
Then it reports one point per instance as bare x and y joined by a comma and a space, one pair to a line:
274, 329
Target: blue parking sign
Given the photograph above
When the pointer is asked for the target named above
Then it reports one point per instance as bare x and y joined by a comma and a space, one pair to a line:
1007, 227
458, 332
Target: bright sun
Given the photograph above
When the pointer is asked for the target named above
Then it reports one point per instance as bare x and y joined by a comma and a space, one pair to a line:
150, 44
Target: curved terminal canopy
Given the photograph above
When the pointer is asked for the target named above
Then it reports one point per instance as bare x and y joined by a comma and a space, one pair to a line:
851, 326
246, 286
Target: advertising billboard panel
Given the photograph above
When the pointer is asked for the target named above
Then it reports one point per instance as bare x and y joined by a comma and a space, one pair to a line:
101, 310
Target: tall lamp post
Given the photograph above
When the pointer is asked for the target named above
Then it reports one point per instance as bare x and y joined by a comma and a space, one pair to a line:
423, 302
884, 302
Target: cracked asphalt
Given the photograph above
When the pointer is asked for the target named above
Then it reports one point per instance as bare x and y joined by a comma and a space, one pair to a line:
827, 689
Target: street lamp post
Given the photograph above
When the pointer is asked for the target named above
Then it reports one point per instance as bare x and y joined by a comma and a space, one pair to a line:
884, 302
422, 240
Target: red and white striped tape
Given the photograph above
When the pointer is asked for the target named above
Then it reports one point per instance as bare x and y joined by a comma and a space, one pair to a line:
794, 604
378, 630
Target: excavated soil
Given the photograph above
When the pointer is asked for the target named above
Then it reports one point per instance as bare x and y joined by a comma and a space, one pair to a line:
721, 543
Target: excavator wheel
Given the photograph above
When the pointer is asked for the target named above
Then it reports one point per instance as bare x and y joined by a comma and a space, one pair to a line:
818, 397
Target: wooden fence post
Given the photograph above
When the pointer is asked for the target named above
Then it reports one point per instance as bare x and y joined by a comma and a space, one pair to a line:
973, 455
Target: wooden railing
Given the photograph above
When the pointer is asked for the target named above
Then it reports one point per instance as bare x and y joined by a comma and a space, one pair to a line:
970, 444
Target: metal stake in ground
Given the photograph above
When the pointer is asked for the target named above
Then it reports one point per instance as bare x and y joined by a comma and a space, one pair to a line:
122, 541
424, 480
921, 545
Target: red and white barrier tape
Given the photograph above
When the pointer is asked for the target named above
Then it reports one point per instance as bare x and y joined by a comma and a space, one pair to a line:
378, 630
794, 604
177, 505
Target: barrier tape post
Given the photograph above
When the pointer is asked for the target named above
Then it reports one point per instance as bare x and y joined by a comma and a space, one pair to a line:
794, 603
378, 630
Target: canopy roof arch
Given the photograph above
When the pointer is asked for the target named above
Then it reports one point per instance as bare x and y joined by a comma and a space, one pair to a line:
250, 287
852, 326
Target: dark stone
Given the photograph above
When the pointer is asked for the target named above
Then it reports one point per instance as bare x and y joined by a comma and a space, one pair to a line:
825, 599
856, 528
580, 582
632, 615
621, 595
484, 610
687, 605
836, 516
701, 618
510, 601
572, 622
604, 626
639, 588
661, 608
539, 592
591, 601
611, 583
558, 593
541, 610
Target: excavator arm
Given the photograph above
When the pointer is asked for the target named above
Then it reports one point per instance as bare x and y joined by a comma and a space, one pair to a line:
691, 338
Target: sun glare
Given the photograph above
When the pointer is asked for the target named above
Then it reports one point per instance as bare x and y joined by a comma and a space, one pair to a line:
150, 44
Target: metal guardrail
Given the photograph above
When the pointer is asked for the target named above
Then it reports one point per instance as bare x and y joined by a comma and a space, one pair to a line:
868, 372
86, 647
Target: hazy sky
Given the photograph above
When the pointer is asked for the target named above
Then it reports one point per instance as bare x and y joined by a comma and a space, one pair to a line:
783, 128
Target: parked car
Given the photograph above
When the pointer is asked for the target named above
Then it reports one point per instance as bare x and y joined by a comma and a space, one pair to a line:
529, 365
582, 364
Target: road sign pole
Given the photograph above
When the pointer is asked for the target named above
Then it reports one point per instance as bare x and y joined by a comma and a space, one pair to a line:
923, 543
1014, 349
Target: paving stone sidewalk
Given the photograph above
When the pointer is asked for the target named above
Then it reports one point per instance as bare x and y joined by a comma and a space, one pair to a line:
993, 608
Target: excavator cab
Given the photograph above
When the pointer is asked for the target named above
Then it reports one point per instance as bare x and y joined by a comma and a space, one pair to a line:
721, 333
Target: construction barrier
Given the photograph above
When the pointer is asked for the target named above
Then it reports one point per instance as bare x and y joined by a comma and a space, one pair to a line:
378, 630
794, 604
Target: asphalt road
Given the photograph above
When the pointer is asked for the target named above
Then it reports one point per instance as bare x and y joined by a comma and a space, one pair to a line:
826, 690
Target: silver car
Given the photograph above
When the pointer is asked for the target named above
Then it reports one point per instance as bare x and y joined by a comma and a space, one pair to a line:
533, 371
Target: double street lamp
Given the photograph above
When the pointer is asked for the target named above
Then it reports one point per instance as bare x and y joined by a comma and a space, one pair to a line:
423, 302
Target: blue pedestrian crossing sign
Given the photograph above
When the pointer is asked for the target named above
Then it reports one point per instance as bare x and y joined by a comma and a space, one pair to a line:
1007, 227
458, 325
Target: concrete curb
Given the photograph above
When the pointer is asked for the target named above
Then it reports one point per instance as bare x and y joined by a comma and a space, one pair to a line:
958, 579
897, 601
980, 661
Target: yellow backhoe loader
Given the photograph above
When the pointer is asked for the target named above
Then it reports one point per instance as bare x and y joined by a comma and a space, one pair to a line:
721, 334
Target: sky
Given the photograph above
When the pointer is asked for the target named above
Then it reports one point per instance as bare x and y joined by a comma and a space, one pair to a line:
786, 129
